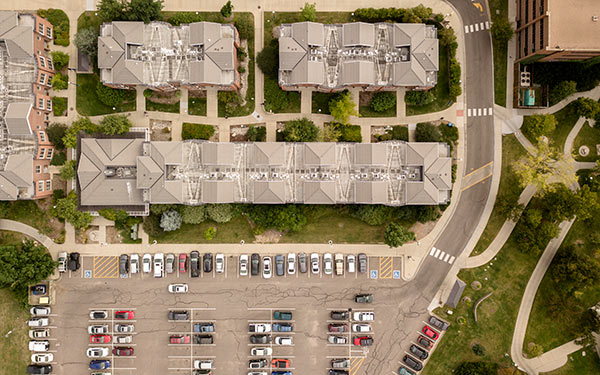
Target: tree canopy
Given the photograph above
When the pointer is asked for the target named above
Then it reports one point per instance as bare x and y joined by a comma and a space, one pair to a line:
55, 133
115, 125
302, 130
86, 41
67, 171
66, 208
543, 167
193, 214
60, 60
309, 12
268, 59
502, 30
220, 213
227, 9
170, 220
24, 264
342, 107
587, 107
144, 10
538, 125
397, 235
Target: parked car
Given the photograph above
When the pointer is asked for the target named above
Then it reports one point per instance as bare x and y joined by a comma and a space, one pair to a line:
39, 333
430, 332
257, 363
123, 352
351, 263
38, 322
361, 328
419, 352
97, 352
178, 315
220, 263
178, 288
39, 369
40, 310
363, 298
147, 263
204, 327
99, 339
99, 364
257, 373
183, 263
74, 261
261, 351
327, 264
259, 327
283, 327
260, 339
282, 315
42, 357
244, 265
195, 264
170, 263
98, 314
122, 339
284, 340
439, 324
134, 263
405, 371
207, 261
281, 373
362, 263
291, 263
412, 363
314, 263
203, 339
362, 340
267, 273
337, 340
363, 316
338, 327
124, 314
98, 329
254, 264
38, 290
179, 339
424, 342
39, 346
124, 328
203, 364
340, 315
339, 264
159, 261
279, 265
340, 363
337, 372
62, 261
302, 263
280, 363
123, 264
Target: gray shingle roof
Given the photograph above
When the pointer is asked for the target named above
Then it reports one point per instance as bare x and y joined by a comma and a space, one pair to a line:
272, 192
290, 53
217, 191
371, 192
17, 119
319, 192
268, 153
358, 34
109, 52
358, 72
148, 172
370, 154
18, 38
319, 153
217, 153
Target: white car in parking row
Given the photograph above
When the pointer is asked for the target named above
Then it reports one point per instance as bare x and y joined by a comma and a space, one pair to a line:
159, 262
261, 351
147, 263
42, 358
267, 271
97, 352
40, 311
363, 316
39, 346
244, 265
178, 288
291, 262
38, 322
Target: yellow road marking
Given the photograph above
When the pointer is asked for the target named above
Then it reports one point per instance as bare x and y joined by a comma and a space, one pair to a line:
478, 181
355, 366
473, 171
103, 265
106, 267
386, 264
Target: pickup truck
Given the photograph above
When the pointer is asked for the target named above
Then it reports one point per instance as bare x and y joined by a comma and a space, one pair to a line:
62, 262
259, 328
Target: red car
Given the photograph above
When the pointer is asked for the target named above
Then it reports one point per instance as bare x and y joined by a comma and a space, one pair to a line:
100, 339
182, 262
430, 333
280, 363
424, 342
179, 339
337, 327
363, 341
124, 315
123, 352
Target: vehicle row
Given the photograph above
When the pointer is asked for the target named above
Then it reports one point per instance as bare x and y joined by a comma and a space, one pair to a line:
39, 344
101, 334
262, 333
420, 351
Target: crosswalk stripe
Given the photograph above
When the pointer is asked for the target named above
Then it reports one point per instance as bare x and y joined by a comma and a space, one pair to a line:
451, 260
487, 25
433, 249
485, 111
481, 26
471, 27
490, 111
476, 27
437, 252
441, 255
466, 29
479, 112
446, 257
468, 112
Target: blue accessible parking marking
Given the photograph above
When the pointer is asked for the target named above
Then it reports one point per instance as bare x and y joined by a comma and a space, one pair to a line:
374, 274
396, 274
87, 274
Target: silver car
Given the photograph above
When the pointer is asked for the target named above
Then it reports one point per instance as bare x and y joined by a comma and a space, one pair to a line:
170, 263
302, 263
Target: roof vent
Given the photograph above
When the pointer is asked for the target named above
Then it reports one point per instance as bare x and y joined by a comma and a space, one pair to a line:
595, 18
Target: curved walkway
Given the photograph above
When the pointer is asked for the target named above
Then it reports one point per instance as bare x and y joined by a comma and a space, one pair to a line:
16, 226
593, 93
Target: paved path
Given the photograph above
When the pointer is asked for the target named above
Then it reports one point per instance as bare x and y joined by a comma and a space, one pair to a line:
593, 93
16, 226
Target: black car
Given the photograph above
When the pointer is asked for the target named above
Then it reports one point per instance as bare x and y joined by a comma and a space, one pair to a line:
279, 265
412, 363
38, 290
260, 339
340, 315
179, 315
124, 264
362, 263
39, 369
208, 260
439, 324
254, 264
418, 352
363, 298
338, 372
194, 267
426, 343
74, 261
203, 339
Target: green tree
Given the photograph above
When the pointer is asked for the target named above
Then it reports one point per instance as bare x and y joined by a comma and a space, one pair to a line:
284, 218
60, 82
81, 124
144, 10
159, 209
574, 270
256, 133
502, 30
342, 108
268, 59
586, 107
23, 265
67, 171
115, 125
220, 213
383, 100
419, 98
589, 322
330, 133
427, 132
152, 226
397, 235
227, 9
109, 96
60, 60
476, 368
193, 214
86, 41
66, 208
478, 350
55, 134
372, 214
111, 10
537, 125
508, 205
309, 12
562, 90
170, 220
210, 233
543, 167
302, 130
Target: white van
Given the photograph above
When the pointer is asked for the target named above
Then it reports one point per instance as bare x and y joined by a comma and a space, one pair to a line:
159, 261
134, 263
203, 364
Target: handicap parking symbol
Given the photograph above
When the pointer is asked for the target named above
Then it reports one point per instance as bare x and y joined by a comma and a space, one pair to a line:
374, 274
123, 276
396, 274
87, 274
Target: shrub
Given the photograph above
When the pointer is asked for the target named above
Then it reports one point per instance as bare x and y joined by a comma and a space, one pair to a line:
185, 17
115, 125
60, 82
210, 233
427, 132
112, 10
454, 78
244, 24
227, 9
66, 208
419, 98
60, 60
220, 213
418, 14
383, 100
350, 133
144, 10
537, 125
309, 12
193, 214
257, 133
342, 107
372, 214
60, 22
59, 106
502, 30
241, 54
170, 220
268, 59
230, 100
288, 217
562, 90
478, 349
399, 133
159, 209
81, 124
302, 130
67, 171
55, 134
111, 97
58, 158
196, 131
587, 107
397, 235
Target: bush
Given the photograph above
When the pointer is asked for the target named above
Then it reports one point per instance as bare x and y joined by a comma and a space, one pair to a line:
60, 60
309, 12
227, 9
159, 209
302, 130
81, 124
478, 349
60, 23
257, 133
418, 14
397, 133
244, 24
419, 98
383, 100
196, 131
454, 78
284, 218
397, 235
220, 213
350, 133
427, 132
152, 226
185, 17
55, 133
170, 220
144, 10
476, 368
587, 107
210, 233
268, 59
60, 82
372, 214
502, 30
58, 158
66, 209
342, 107
537, 125
67, 171
230, 100
193, 214
114, 125
562, 90
59, 106
111, 97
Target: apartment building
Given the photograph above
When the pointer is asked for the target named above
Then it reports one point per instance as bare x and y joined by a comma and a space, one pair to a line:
557, 30
26, 72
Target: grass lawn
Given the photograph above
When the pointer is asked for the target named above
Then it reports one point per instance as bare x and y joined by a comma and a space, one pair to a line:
29, 212
87, 102
293, 97
197, 106
87, 20
366, 111
566, 119
13, 349
588, 136
500, 52
579, 365
232, 232
277, 18
59, 105
507, 278
441, 90
162, 107
511, 152
320, 102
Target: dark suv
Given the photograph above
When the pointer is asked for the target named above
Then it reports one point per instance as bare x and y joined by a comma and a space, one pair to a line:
179, 315
279, 265
123, 264
73, 261
340, 315
418, 352
260, 339
439, 324
412, 363
336, 327
255, 264
39, 369
208, 260
194, 266
362, 263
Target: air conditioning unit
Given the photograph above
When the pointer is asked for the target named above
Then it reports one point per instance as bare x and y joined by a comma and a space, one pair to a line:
595, 18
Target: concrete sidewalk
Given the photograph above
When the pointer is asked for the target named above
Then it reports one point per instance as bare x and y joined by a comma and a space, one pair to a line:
16, 226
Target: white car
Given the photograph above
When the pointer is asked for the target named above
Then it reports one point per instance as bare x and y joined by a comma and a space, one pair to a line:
267, 271
203, 364
351, 263
39, 346
134, 263
314, 263
39, 333
220, 263
97, 352
122, 339
261, 351
259, 328
284, 340
98, 329
62, 261
124, 328
360, 328
40, 311
178, 288
159, 262
327, 264
244, 265
147, 263
291, 262
98, 314
361, 316
42, 358
38, 322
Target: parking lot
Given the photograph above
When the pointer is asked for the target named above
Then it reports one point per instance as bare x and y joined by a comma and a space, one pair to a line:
231, 302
